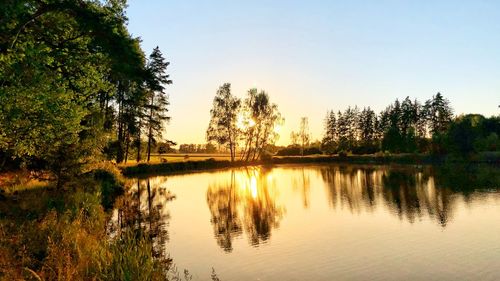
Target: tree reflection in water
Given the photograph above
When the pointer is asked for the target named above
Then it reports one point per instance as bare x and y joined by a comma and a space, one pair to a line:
142, 209
303, 184
411, 193
246, 202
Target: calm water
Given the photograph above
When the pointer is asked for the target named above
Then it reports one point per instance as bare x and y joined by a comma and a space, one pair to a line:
328, 222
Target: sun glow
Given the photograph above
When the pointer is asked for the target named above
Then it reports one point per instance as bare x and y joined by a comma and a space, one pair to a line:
277, 129
248, 183
244, 122
253, 187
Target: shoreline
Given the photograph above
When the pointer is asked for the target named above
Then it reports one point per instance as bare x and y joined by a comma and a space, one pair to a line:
143, 169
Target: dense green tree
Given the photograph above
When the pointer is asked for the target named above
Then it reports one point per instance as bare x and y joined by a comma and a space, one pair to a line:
473, 133
58, 63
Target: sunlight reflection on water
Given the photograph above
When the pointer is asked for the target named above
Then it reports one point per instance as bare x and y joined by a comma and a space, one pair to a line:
329, 222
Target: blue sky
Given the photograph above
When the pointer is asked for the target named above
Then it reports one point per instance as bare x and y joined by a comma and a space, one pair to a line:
312, 56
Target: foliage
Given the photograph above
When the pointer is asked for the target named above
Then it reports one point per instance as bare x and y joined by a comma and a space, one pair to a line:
59, 66
473, 133
251, 124
408, 127
294, 150
74, 84
223, 128
158, 100
260, 120
48, 235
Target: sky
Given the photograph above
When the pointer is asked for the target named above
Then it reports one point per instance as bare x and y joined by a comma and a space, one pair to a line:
315, 56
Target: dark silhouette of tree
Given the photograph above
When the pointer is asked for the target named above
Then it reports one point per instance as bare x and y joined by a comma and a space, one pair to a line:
156, 107
366, 124
351, 116
400, 127
439, 113
223, 128
330, 138
304, 135
342, 132
367, 131
261, 117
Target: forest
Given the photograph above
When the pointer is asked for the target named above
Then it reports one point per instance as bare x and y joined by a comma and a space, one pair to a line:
410, 127
76, 87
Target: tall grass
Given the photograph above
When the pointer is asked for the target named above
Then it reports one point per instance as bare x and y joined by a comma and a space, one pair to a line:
46, 234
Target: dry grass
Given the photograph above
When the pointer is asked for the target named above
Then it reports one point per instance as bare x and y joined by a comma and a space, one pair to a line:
17, 181
178, 157
50, 234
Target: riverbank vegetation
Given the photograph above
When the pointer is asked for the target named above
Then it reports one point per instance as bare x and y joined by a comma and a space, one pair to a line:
76, 87
46, 234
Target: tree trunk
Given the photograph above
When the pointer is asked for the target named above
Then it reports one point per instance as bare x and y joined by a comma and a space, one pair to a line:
150, 133
127, 140
150, 137
119, 153
231, 151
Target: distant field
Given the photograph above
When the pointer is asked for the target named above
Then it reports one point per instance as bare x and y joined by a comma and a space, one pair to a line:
179, 157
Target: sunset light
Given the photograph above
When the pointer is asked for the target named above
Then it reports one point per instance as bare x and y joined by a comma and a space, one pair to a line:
249, 140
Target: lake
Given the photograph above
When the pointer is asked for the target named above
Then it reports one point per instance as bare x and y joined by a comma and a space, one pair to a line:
326, 222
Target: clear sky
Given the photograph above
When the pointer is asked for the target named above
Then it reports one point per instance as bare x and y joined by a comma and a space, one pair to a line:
312, 56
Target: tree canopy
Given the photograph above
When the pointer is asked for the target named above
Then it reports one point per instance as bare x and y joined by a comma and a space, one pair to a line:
73, 84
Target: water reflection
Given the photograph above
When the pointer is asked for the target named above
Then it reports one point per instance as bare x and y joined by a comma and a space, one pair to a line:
250, 203
302, 183
143, 208
247, 202
409, 192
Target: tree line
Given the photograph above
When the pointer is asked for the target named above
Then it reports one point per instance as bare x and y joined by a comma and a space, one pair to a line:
75, 86
409, 126
248, 128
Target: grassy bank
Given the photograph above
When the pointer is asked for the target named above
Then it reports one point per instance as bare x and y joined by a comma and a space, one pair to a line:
210, 164
61, 234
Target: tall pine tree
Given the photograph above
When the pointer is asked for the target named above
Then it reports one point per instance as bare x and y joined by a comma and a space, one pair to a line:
156, 108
